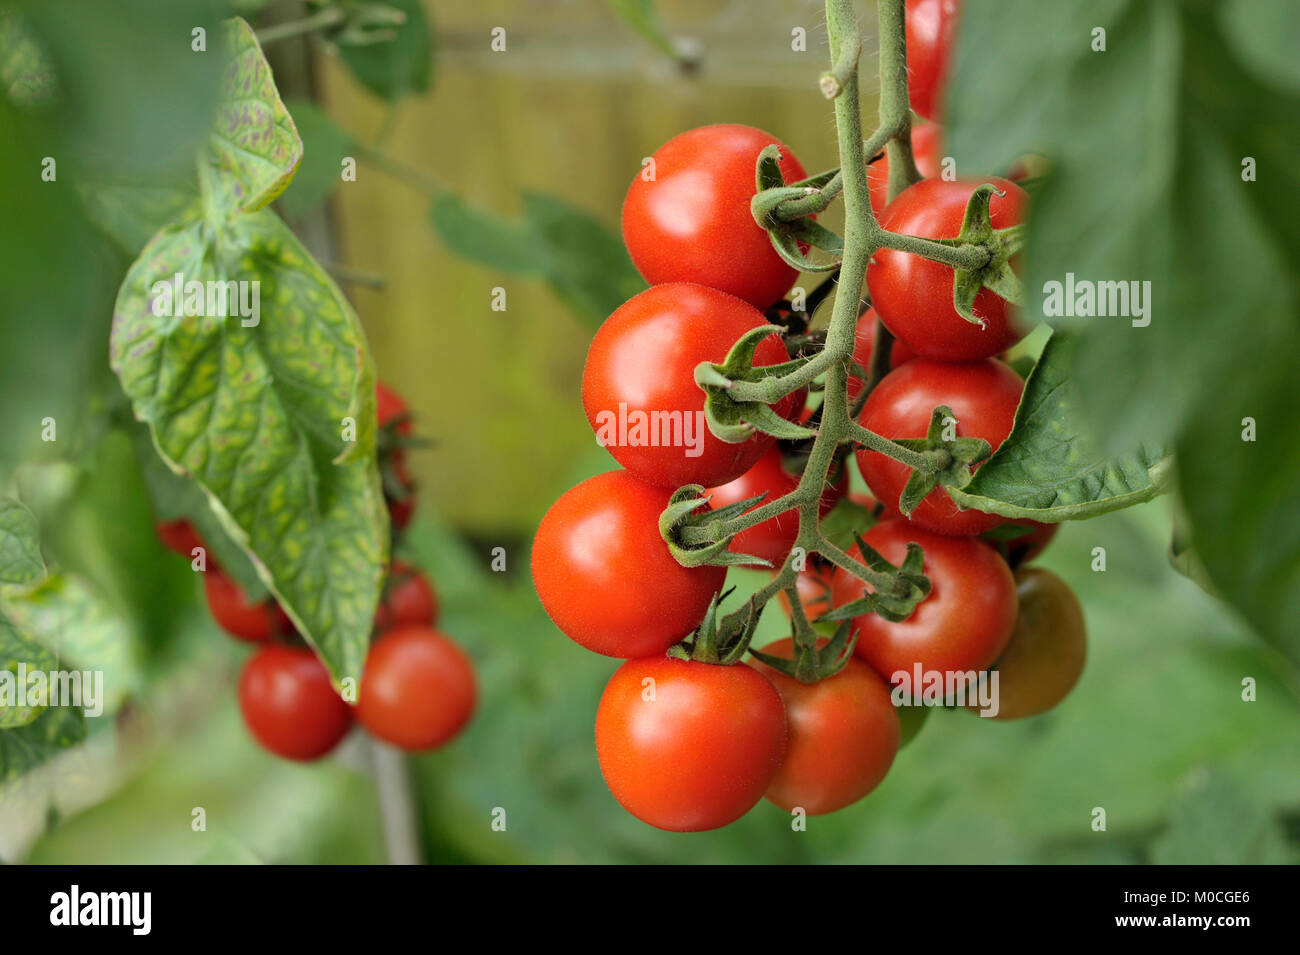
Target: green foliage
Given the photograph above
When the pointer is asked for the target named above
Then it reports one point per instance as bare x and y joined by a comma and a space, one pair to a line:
391, 59
324, 145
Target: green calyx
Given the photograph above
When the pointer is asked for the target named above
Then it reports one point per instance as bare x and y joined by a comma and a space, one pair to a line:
951, 460
908, 587
686, 508
736, 421
791, 237
812, 663
996, 273
720, 640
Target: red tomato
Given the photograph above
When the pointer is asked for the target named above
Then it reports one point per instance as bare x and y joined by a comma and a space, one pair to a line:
391, 409
864, 345
641, 369
983, 396
605, 575
179, 537
772, 539
927, 150
961, 626
417, 688
1023, 549
401, 509
814, 586
842, 734
230, 608
688, 746
289, 705
408, 600
914, 296
931, 29
692, 222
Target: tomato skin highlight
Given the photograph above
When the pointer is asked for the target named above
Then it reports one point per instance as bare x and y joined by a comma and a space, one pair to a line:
1048, 648
700, 753
983, 396
931, 27
842, 735
230, 608
606, 577
693, 223
408, 599
914, 295
417, 689
289, 705
772, 539
965, 622
927, 151
642, 362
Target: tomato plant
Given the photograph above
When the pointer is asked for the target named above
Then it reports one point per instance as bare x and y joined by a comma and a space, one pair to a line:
605, 575
927, 151
256, 622
408, 599
914, 295
289, 705
864, 347
417, 689
688, 746
686, 217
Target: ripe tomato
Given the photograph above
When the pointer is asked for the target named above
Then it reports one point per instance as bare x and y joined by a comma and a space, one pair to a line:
1023, 549
983, 396
417, 688
842, 735
179, 537
692, 222
401, 507
688, 746
772, 539
927, 150
289, 705
814, 586
962, 625
914, 296
864, 345
639, 389
231, 609
408, 600
391, 409
931, 29
605, 575
1047, 650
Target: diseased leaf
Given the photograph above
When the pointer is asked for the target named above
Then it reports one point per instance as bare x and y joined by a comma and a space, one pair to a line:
20, 547
15, 650
26, 747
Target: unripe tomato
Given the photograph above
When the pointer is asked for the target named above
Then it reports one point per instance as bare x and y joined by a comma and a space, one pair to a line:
641, 368
231, 609
688, 746
179, 537
931, 27
289, 705
417, 688
983, 396
964, 623
842, 735
605, 575
927, 151
772, 539
408, 599
914, 295
1046, 653
692, 221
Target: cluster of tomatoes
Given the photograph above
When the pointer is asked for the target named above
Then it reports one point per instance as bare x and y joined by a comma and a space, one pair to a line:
417, 689
688, 745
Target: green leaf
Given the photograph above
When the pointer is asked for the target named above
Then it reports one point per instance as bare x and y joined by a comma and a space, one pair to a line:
27, 747
26, 74
1212, 822
131, 214
1051, 468
15, 649
20, 547
257, 416
643, 17
391, 68
254, 147
486, 238
324, 144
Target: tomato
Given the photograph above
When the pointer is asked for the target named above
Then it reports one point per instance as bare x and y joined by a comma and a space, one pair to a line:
927, 151
931, 29
289, 705
1047, 650
179, 537
1023, 549
772, 539
231, 609
417, 688
408, 599
688, 746
813, 584
605, 575
983, 397
914, 295
962, 625
401, 502
639, 390
692, 222
391, 409
864, 344
842, 735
